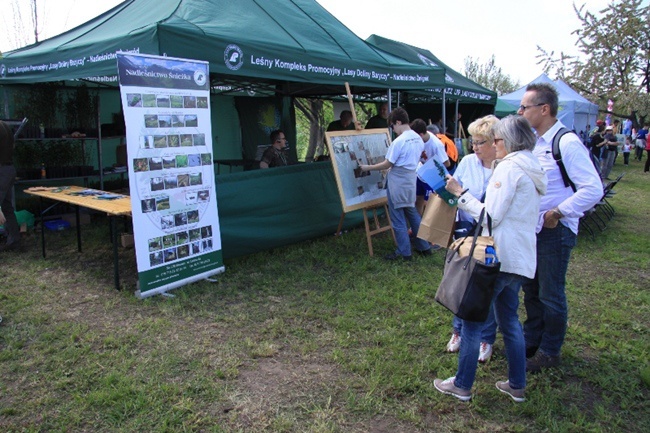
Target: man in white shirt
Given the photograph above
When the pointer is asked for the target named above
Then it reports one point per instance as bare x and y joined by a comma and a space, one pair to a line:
431, 150
401, 160
557, 228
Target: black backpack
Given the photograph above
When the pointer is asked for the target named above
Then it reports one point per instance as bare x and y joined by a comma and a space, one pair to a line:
558, 158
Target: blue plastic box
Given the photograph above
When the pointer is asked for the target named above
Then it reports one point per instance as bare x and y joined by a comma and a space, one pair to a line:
56, 225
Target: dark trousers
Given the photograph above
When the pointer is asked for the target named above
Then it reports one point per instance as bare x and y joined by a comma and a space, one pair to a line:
7, 178
647, 162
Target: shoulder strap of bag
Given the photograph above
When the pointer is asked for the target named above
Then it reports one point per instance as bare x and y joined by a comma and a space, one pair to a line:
471, 250
557, 156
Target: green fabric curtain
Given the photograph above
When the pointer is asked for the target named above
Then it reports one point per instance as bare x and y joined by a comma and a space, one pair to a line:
264, 209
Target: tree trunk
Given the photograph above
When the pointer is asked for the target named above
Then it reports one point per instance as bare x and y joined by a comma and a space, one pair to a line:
313, 111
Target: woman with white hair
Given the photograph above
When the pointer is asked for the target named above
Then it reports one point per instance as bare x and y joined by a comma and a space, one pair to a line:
512, 203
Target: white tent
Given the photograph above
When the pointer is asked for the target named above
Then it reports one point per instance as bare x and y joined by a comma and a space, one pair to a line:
575, 111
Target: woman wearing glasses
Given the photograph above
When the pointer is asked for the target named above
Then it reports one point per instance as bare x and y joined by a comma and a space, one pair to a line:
473, 173
512, 201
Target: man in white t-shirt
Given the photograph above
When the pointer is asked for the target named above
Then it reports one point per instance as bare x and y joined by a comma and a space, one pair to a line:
402, 160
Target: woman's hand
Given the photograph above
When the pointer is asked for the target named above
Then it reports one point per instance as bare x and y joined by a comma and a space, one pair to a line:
453, 186
364, 167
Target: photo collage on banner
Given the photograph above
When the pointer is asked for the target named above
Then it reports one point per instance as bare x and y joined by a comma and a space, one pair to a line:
171, 176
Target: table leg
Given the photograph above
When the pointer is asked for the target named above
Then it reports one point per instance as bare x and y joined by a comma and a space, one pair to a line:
40, 208
78, 228
116, 271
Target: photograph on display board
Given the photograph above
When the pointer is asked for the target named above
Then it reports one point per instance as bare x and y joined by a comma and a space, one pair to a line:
349, 150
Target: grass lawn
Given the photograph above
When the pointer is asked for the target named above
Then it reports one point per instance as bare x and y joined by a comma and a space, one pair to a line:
315, 337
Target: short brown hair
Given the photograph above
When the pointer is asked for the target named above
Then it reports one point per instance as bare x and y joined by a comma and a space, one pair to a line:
398, 114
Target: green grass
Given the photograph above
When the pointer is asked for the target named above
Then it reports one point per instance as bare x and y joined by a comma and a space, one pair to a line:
315, 337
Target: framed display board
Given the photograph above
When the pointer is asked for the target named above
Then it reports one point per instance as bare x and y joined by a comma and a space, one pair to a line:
348, 150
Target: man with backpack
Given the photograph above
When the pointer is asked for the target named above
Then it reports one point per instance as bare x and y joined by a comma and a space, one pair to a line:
574, 187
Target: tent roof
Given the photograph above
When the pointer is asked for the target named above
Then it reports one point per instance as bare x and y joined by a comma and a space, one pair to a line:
565, 95
272, 41
503, 108
458, 87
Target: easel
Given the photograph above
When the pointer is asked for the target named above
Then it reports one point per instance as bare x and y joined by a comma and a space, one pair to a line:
378, 228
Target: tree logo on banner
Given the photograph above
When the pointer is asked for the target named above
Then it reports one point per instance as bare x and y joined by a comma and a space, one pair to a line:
233, 56
199, 77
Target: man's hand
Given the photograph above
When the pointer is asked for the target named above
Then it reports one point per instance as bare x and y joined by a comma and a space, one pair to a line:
551, 218
2, 218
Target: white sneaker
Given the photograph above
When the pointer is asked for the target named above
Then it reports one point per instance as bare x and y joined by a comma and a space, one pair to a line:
454, 343
485, 352
447, 387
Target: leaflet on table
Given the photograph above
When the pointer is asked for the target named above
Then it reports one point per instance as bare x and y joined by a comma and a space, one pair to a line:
171, 177
435, 174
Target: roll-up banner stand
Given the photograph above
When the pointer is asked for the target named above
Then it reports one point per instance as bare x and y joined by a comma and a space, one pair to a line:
171, 176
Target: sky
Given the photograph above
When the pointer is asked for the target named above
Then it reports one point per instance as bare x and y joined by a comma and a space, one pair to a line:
453, 30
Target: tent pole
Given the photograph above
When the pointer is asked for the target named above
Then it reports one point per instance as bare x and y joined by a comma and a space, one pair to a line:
99, 145
444, 111
456, 119
390, 100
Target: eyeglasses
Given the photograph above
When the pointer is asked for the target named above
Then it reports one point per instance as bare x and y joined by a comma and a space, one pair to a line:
523, 108
478, 143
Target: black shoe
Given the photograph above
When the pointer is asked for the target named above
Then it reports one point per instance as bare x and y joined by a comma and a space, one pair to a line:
395, 256
531, 351
424, 252
14, 246
541, 360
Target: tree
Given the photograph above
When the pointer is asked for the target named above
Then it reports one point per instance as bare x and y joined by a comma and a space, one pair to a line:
24, 21
489, 75
615, 58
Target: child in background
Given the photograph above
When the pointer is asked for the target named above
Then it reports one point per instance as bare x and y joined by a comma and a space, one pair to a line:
627, 147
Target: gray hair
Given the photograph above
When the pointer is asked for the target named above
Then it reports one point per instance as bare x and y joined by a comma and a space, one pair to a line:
433, 129
516, 133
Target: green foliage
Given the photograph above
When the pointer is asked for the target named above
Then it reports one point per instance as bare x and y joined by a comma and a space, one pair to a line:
614, 62
489, 75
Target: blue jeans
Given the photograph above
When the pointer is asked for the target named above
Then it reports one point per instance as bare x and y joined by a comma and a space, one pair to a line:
489, 331
506, 303
544, 296
398, 218
7, 178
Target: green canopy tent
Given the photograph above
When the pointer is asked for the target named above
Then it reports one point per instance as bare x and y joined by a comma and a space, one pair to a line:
295, 45
457, 89
285, 48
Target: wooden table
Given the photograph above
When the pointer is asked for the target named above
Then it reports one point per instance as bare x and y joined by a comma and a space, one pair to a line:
64, 194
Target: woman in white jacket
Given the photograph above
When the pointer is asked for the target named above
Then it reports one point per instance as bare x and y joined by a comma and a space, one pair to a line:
512, 201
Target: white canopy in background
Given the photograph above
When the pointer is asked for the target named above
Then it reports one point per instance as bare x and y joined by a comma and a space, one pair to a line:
575, 111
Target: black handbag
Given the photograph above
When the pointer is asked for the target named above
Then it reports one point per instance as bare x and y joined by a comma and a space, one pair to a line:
467, 285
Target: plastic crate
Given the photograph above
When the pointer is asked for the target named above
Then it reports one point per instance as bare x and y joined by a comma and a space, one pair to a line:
56, 225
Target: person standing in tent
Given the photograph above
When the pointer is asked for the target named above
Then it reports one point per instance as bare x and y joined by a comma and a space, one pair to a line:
275, 155
401, 161
381, 119
557, 228
7, 178
343, 124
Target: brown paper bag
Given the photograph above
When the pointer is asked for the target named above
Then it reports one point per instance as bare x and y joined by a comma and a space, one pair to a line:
465, 244
437, 224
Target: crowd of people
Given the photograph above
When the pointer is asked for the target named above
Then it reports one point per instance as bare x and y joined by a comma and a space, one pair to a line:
513, 176
603, 141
